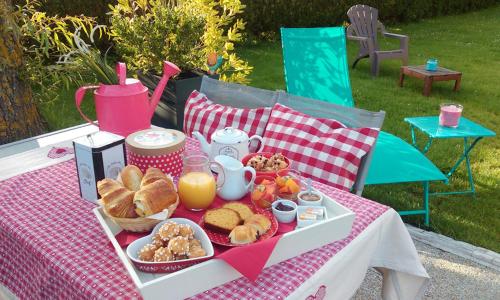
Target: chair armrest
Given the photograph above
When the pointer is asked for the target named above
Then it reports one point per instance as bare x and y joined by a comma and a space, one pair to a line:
403, 39
394, 35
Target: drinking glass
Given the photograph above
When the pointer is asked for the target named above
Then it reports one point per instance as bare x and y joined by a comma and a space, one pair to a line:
289, 183
450, 114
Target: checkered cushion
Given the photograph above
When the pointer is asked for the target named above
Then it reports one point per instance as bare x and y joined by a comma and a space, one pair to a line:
205, 116
323, 149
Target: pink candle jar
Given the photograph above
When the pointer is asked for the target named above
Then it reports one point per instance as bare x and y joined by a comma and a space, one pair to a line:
450, 114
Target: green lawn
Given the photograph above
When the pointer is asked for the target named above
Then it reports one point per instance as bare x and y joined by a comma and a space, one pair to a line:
469, 43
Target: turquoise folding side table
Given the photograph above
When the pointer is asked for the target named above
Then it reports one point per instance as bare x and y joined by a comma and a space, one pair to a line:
470, 131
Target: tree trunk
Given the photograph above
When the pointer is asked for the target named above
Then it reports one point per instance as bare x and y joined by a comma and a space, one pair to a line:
19, 116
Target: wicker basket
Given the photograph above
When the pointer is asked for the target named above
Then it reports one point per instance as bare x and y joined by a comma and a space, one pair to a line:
140, 224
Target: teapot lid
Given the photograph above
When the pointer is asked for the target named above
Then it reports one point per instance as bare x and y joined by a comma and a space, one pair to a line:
229, 135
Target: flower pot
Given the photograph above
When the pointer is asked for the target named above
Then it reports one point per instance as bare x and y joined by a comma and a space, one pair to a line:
170, 111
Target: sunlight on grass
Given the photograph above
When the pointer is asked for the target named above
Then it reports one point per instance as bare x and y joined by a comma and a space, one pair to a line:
473, 50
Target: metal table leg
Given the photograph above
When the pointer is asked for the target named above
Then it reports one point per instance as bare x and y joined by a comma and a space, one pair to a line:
426, 204
425, 211
467, 149
414, 141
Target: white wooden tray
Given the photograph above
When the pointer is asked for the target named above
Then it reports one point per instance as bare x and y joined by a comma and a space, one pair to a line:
212, 273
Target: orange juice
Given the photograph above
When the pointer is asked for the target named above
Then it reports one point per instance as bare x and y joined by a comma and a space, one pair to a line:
197, 190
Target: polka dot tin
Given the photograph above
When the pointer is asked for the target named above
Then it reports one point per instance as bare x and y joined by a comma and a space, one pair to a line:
157, 147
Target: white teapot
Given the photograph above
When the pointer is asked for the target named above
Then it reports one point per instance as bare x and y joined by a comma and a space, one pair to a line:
228, 141
232, 181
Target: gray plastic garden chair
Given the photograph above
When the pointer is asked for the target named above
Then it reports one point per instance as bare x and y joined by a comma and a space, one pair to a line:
363, 28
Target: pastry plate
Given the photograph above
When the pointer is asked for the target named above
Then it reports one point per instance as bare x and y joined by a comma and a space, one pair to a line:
223, 239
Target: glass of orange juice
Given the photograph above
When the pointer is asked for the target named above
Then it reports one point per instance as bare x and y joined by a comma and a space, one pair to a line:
197, 185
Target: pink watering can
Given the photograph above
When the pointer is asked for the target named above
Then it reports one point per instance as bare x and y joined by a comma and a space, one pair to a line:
125, 108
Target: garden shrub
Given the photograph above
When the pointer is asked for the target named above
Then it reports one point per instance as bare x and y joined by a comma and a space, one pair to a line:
264, 16
185, 32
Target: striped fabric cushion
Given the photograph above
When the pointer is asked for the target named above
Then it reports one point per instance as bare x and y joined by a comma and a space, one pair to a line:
205, 116
323, 149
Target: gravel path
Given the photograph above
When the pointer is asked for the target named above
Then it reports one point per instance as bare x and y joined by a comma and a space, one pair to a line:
452, 277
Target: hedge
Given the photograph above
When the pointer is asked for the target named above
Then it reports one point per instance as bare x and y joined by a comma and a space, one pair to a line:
264, 16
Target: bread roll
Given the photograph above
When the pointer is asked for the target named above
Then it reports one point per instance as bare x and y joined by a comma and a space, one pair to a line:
154, 174
131, 177
260, 222
154, 197
243, 234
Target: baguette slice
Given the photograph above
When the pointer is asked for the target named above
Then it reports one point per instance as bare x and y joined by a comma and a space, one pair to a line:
222, 219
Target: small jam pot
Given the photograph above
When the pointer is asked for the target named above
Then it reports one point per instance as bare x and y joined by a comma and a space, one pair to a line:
310, 199
281, 211
159, 148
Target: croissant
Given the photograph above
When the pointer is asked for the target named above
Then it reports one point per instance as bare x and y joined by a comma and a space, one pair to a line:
154, 197
154, 174
131, 177
107, 185
120, 203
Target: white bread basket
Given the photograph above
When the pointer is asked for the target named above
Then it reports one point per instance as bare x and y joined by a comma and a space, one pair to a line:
142, 224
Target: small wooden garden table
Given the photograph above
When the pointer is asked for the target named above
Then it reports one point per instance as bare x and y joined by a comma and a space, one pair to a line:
441, 74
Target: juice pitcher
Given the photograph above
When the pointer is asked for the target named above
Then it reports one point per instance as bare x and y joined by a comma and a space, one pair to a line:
197, 186
125, 108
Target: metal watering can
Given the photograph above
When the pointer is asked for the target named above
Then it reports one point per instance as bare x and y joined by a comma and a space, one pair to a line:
125, 108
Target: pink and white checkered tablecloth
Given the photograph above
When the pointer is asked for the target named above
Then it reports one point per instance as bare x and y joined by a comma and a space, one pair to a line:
52, 246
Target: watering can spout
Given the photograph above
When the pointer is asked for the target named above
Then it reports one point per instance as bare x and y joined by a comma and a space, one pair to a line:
169, 70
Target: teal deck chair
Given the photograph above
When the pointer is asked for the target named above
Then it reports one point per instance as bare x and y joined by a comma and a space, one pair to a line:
314, 66
315, 61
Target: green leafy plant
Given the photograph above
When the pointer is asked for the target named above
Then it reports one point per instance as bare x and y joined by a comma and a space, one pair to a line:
55, 52
146, 32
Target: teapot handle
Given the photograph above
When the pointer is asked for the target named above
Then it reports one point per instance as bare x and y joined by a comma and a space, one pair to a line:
219, 169
259, 138
252, 171
79, 98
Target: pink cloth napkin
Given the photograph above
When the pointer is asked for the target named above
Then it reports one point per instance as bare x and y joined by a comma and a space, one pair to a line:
251, 259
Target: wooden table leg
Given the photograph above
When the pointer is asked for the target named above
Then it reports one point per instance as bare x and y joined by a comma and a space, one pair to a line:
401, 78
457, 83
427, 86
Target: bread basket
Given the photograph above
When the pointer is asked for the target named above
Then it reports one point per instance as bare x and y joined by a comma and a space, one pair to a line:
141, 224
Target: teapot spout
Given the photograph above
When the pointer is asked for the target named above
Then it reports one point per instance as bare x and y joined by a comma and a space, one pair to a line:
205, 146
169, 70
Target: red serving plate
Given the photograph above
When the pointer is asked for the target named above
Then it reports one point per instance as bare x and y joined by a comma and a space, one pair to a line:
223, 239
273, 174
